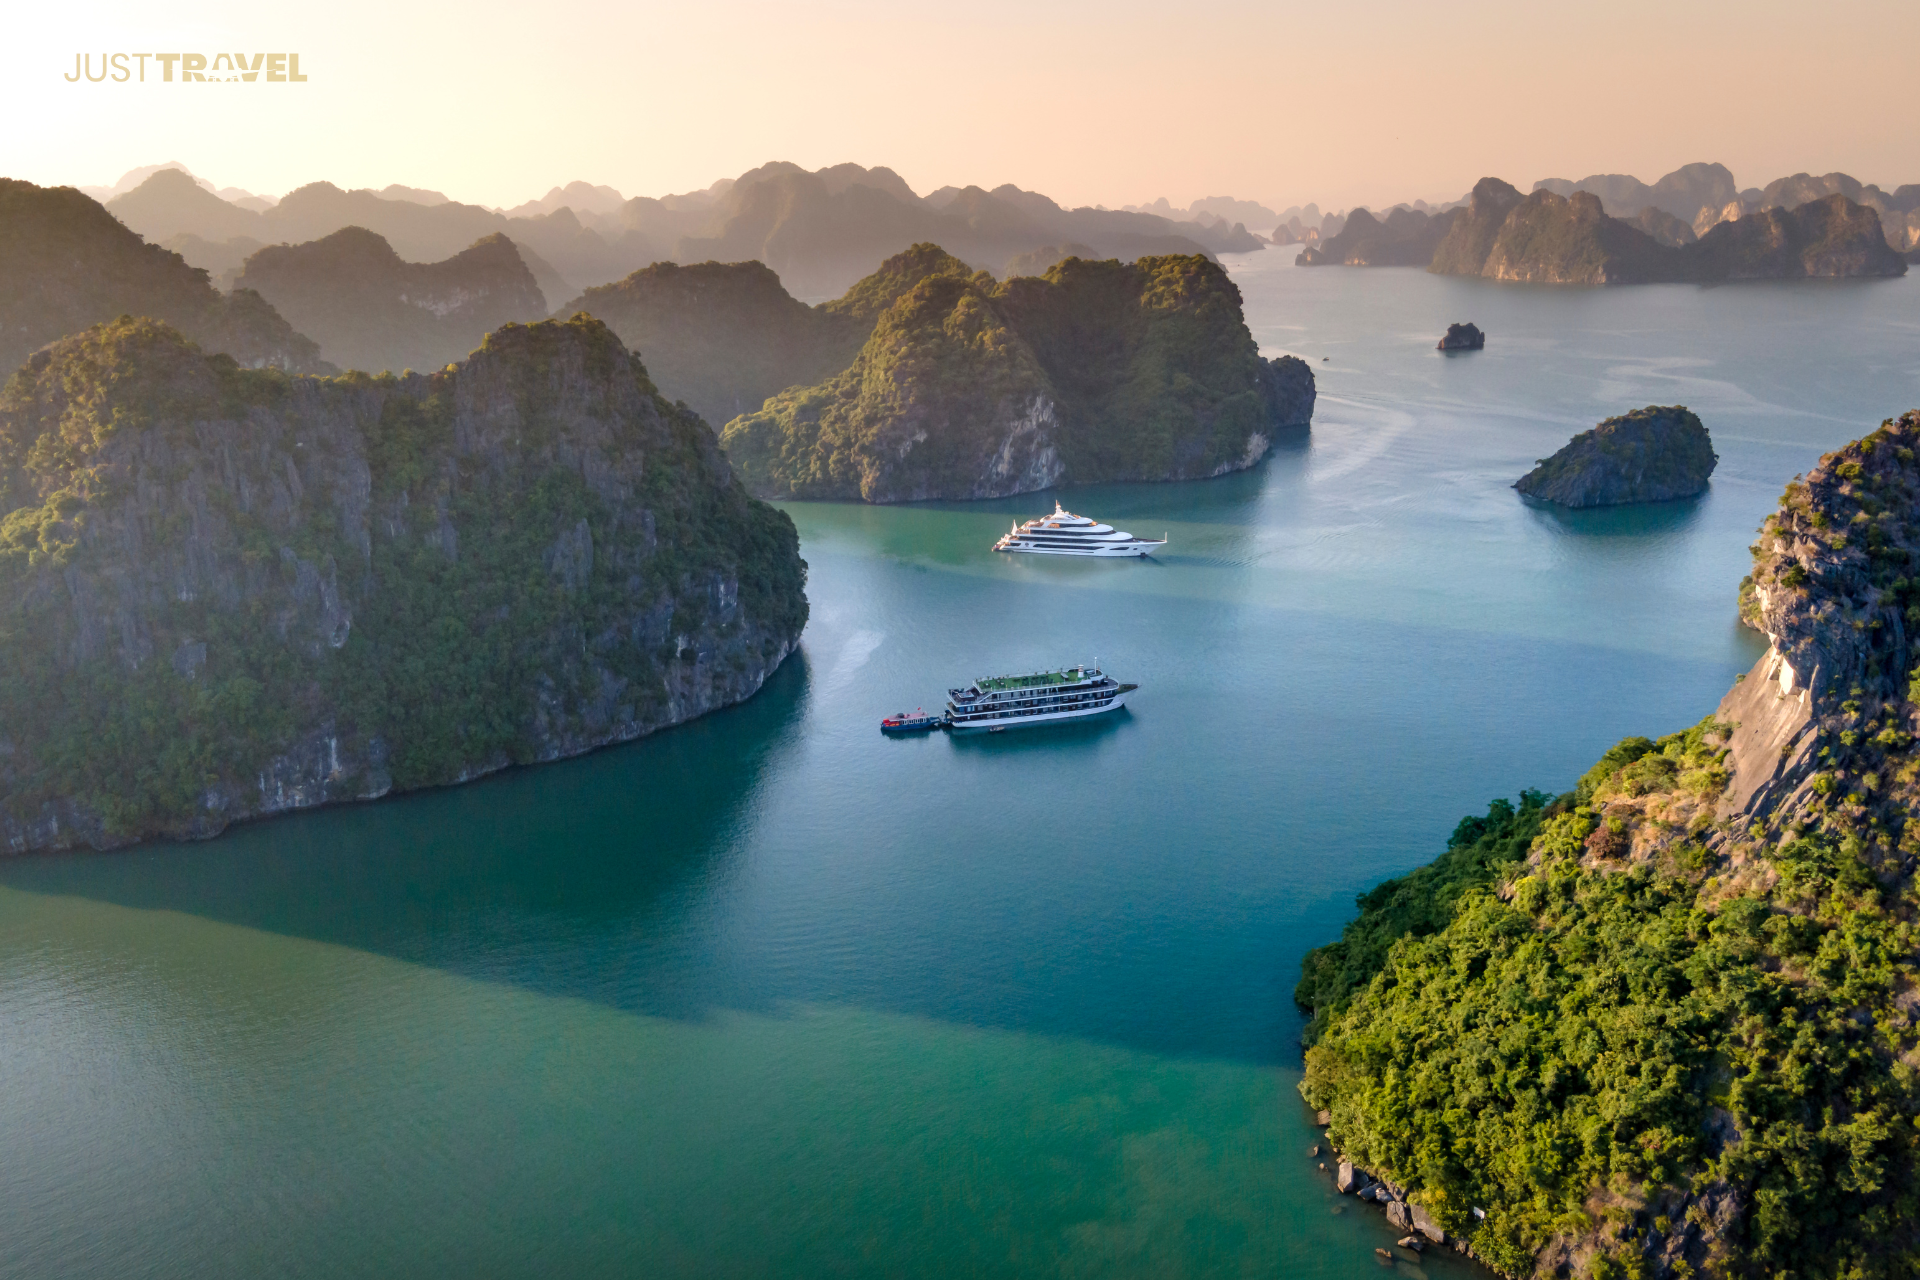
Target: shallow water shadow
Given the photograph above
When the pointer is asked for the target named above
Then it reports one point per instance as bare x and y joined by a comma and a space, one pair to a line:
1297, 438
1624, 520
1746, 640
571, 877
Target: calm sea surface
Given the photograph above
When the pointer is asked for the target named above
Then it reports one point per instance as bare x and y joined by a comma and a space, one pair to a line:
769, 995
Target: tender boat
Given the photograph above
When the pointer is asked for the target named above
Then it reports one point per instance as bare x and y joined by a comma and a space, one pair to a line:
918, 722
1066, 534
1041, 697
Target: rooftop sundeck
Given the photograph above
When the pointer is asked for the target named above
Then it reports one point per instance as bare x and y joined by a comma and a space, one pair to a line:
1037, 680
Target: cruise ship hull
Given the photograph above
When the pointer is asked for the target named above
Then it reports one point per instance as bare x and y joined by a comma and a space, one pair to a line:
1104, 553
1066, 534
1018, 721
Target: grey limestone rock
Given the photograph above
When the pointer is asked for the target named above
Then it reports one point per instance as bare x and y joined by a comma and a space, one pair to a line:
1838, 652
1653, 454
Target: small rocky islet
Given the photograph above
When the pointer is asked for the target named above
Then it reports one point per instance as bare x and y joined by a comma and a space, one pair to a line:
1463, 337
1655, 454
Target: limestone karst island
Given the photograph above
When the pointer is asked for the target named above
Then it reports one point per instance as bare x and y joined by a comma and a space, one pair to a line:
765, 641
1654, 454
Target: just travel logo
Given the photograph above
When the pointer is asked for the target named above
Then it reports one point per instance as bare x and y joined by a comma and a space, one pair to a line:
188, 68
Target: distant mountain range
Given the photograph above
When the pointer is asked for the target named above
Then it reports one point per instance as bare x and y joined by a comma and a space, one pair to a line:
1211, 209
1705, 195
65, 263
723, 336
1076, 368
234, 195
1687, 193
1679, 208
1549, 238
169, 206
404, 277
821, 231
369, 309
1405, 238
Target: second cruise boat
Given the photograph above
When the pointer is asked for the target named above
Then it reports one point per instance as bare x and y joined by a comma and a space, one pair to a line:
1044, 697
1066, 534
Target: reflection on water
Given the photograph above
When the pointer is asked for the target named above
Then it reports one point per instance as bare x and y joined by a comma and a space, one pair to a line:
1049, 739
774, 994
1633, 520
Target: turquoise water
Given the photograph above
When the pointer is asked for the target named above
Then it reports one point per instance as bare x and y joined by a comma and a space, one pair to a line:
771, 995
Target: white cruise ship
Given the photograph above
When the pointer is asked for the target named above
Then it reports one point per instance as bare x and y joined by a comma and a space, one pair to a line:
1066, 534
1013, 702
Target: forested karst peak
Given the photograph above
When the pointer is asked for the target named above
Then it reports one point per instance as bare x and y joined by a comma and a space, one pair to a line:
231, 592
1662, 1025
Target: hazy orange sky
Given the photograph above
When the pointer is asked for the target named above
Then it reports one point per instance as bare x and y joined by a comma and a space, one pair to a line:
1114, 103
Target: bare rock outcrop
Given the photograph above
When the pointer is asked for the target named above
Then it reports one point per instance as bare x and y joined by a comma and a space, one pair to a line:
1835, 591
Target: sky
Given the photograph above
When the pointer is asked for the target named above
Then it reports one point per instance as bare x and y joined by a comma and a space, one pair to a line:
1364, 102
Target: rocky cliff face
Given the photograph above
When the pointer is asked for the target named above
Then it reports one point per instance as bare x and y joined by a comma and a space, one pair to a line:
1288, 388
370, 310
227, 593
1464, 249
1826, 717
967, 389
1899, 212
1549, 239
65, 263
1831, 237
1653, 454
